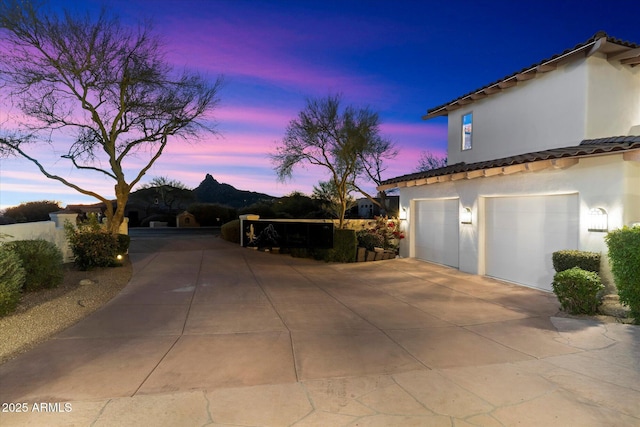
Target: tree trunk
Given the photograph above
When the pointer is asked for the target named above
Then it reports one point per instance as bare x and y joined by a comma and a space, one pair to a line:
117, 217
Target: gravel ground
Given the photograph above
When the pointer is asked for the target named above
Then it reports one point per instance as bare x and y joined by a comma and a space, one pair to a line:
42, 314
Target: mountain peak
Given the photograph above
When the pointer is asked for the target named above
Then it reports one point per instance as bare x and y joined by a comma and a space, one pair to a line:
212, 191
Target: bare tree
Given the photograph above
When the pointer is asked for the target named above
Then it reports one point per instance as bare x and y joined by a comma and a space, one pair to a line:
429, 161
103, 87
372, 166
337, 139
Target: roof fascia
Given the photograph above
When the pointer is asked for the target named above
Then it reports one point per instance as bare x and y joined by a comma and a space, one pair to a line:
546, 66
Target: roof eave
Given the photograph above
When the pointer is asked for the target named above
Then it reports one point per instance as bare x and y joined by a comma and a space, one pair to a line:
625, 53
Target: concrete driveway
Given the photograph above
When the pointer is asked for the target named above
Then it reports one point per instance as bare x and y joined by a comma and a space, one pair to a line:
208, 333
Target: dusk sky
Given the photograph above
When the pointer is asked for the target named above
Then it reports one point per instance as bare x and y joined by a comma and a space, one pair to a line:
397, 57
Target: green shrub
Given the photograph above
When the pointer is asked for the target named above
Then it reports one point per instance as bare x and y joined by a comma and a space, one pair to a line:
577, 290
12, 278
344, 246
370, 239
564, 260
231, 231
42, 263
92, 245
624, 254
124, 241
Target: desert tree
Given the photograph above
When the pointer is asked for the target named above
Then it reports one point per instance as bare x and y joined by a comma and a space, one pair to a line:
335, 138
429, 161
372, 166
97, 91
164, 192
325, 192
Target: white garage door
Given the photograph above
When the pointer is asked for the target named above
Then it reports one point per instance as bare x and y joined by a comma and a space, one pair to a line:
523, 232
436, 231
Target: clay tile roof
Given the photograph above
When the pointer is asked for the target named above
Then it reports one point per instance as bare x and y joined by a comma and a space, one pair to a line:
586, 148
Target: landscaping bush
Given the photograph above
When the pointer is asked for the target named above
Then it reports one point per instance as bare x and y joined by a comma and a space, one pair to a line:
369, 239
231, 231
577, 290
564, 260
344, 246
12, 278
93, 249
92, 245
382, 232
41, 261
624, 256
124, 241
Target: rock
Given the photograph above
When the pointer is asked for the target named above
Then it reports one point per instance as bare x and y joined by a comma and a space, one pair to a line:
85, 282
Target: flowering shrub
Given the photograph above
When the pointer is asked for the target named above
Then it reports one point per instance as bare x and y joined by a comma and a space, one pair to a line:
382, 232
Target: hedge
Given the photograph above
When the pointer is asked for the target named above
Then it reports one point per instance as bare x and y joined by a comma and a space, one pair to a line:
577, 290
564, 260
230, 231
624, 256
345, 246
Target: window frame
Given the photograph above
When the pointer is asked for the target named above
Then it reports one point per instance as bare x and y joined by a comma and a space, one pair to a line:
463, 146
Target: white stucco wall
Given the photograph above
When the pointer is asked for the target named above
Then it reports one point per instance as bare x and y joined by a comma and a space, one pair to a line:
606, 181
613, 98
545, 112
45, 230
584, 99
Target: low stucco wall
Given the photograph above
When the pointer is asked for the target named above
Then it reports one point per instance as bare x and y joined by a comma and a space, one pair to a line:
51, 231
45, 230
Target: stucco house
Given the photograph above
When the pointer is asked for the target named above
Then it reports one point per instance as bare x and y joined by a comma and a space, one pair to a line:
544, 159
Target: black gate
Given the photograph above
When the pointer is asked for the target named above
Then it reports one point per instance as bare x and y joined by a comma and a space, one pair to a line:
287, 234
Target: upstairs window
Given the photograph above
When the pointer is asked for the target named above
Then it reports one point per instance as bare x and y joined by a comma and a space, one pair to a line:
467, 131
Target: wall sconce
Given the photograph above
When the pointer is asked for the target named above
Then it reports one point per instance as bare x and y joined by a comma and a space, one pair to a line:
598, 220
402, 215
465, 216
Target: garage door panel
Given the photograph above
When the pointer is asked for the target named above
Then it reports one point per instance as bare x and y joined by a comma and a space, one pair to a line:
436, 231
523, 232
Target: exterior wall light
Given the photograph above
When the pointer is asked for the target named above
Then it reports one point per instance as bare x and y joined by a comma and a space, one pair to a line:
402, 215
598, 220
465, 216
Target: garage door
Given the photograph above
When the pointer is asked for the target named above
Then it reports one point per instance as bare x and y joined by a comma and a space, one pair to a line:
436, 231
523, 232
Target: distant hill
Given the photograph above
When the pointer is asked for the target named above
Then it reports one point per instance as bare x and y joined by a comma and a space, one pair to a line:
211, 191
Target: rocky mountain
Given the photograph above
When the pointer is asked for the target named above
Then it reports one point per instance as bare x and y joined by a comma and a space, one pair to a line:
212, 191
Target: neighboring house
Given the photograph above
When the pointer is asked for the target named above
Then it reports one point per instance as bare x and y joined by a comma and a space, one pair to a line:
547, 158
368, 209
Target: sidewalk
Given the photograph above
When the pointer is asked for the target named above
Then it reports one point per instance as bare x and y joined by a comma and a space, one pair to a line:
208, 333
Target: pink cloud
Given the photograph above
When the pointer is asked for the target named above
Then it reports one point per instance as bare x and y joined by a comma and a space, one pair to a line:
254, 116
267, 53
